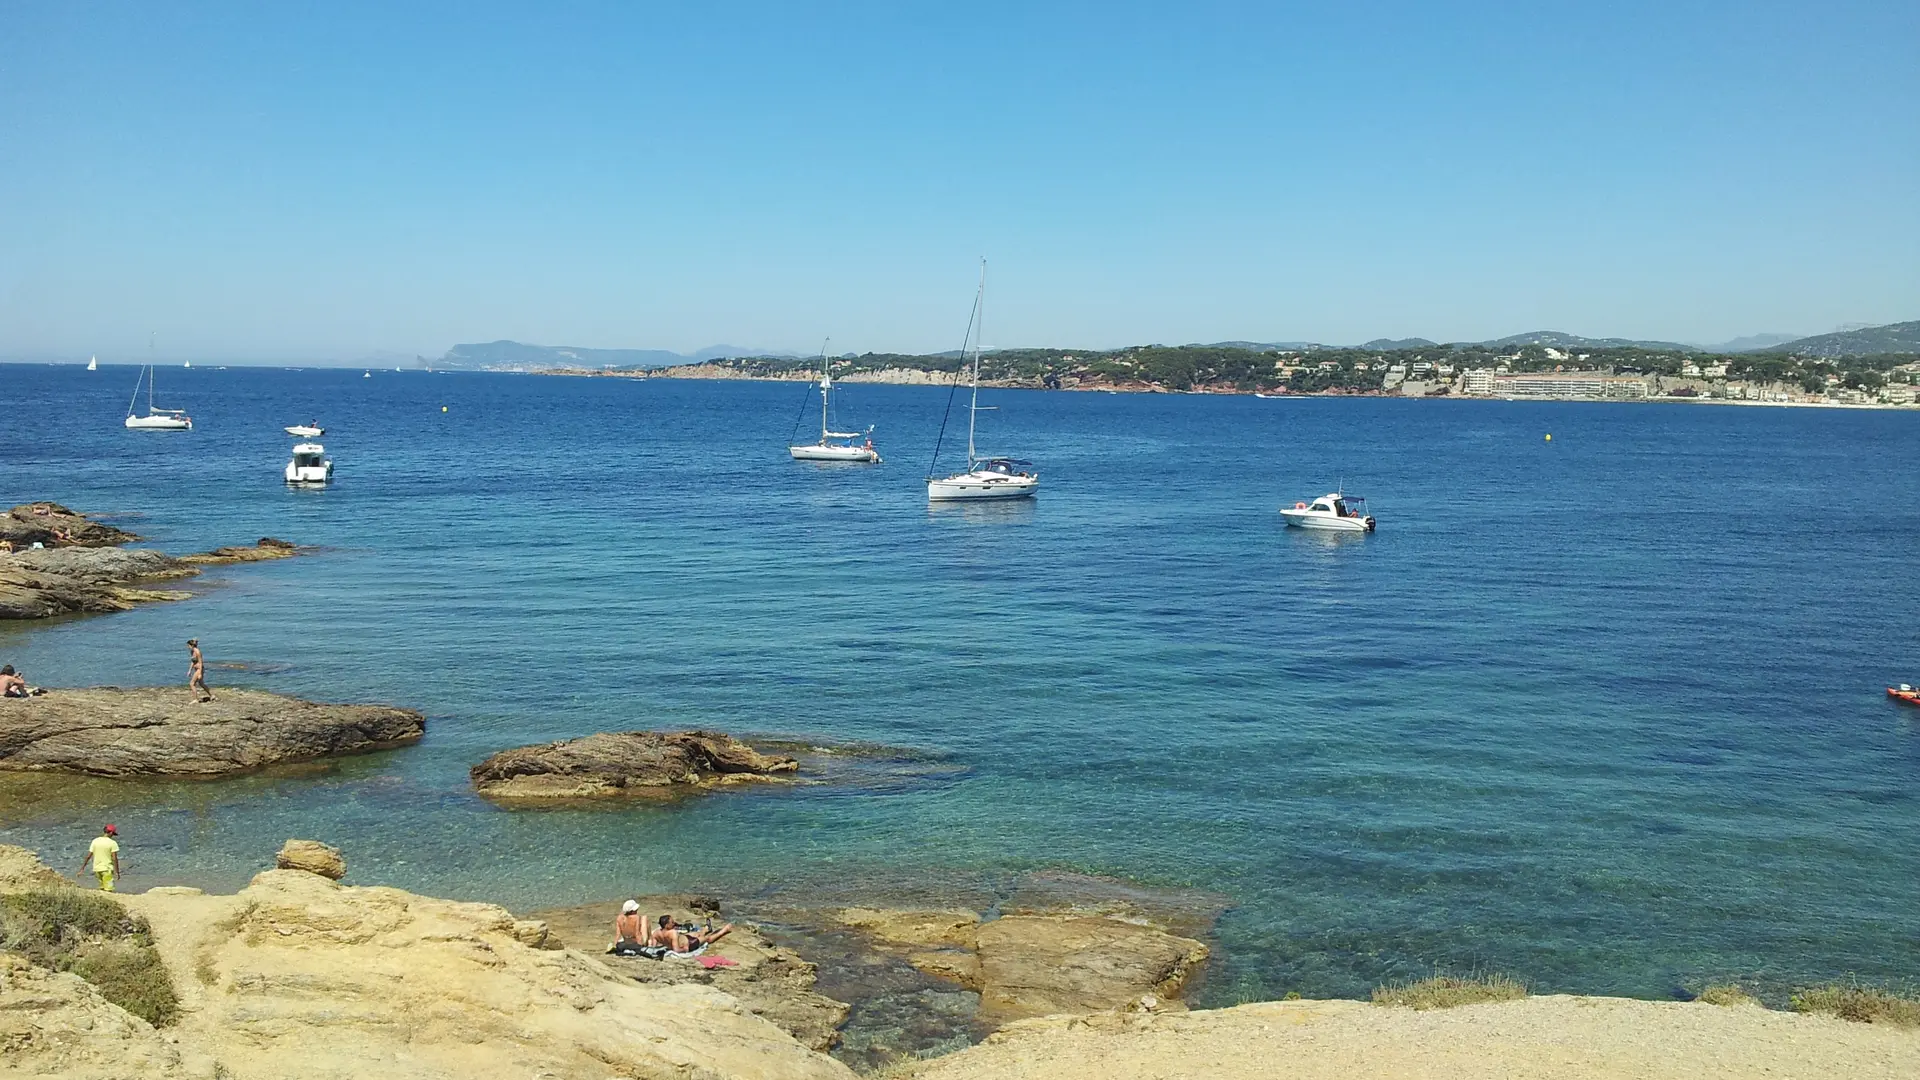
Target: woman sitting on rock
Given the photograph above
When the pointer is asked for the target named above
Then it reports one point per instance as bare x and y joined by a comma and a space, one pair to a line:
684, 939
630, 930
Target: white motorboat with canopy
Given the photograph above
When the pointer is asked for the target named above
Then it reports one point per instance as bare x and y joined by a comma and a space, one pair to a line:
310, 465
1333, 511
306, 431
834, 445
984, 478
156, 419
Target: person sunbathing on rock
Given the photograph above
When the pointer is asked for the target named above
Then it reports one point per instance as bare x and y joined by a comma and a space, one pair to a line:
11, 684
630, 930
683, 939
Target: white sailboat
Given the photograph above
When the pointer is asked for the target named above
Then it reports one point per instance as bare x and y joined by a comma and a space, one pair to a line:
93, 363
156, 419
835, 445
985, 478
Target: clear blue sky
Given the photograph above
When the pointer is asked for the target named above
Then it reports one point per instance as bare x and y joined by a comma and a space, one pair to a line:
277, 181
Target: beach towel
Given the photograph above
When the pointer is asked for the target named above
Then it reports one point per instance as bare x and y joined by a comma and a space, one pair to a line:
711, 962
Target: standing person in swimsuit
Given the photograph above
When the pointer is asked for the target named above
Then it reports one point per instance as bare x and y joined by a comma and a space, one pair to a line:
197, 670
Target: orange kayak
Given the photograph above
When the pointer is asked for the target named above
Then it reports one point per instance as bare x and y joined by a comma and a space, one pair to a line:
1904, 693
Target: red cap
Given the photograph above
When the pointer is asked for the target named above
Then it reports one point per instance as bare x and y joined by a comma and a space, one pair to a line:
113, 830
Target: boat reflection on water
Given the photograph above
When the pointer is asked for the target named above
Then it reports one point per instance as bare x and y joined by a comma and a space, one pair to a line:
982, 511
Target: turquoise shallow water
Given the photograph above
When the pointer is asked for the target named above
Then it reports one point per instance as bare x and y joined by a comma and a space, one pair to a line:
1604, 712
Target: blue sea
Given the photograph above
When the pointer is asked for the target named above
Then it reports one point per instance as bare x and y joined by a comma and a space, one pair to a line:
1604, 711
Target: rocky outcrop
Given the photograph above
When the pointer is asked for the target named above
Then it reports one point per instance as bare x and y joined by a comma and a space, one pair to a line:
312, 856
53, 525
297, 975
62, 581
163, 731
266, 550
657, 763
79, 569
771, 981
56, 1024
1040, 964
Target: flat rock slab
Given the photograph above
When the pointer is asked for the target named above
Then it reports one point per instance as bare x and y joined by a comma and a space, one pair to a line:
625, 763
163, 731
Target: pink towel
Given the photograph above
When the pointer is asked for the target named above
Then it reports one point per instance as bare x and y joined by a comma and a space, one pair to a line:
711, 962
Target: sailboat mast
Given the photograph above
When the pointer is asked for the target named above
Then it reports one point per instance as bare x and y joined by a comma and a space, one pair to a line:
826, 387
979, 322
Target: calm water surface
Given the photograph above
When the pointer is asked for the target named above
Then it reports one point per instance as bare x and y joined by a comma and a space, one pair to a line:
1605, 712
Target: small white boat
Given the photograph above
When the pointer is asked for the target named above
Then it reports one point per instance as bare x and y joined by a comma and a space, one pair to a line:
156, 419
366, 374
1334, 511
985, 478
306, 431
835, 445
93, 363
310, 466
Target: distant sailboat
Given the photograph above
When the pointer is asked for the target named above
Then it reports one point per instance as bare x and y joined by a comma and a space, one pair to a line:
156, 419
188, 363
984, 478
93, 363
834, 445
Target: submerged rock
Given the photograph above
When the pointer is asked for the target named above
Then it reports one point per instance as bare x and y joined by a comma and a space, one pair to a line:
163, 731
312, 856
626, 763
267, 549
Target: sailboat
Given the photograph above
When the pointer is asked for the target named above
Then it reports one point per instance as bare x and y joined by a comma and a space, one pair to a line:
985, 478
156, 419
93, 363
834, 445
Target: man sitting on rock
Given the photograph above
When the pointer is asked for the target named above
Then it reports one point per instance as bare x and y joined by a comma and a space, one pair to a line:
11, 684
685, 939
630, 930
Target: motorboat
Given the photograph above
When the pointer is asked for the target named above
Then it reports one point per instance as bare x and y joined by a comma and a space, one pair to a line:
309, 466
1333, 511
306, 431
1904, 693
856, 446
155, 419
984, 478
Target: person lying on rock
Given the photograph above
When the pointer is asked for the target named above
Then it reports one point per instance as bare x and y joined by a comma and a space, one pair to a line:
630, 930
685, 938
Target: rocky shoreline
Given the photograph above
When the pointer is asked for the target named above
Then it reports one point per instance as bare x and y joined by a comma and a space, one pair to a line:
80, 566
626, 763
167, 732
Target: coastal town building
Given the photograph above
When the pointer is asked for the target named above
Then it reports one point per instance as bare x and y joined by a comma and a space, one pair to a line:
1568, 384
1477, 381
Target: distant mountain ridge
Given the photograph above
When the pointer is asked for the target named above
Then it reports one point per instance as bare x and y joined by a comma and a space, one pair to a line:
1903, 337
516, 356
512, 355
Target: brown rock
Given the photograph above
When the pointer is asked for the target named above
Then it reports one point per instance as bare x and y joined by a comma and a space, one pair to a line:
1037, 965
626, 763
60, 581
54, 525
771, 981
163, 731
312, 856
267, 549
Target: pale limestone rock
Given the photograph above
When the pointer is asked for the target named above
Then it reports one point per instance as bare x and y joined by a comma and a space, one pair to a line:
57, 1025
314, 857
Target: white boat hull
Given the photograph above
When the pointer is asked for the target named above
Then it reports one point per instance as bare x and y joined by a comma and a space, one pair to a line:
830, 452
159, 423
305, 431
983, 485
1306, 519
310, 476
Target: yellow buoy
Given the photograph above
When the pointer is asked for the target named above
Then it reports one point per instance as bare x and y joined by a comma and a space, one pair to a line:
443, 408
1549, 438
